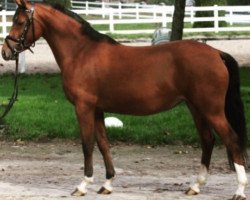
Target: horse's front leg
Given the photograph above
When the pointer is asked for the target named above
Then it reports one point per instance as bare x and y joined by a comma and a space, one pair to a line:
103, 145
85, 116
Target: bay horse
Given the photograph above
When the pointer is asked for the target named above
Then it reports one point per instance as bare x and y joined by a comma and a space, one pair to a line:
101, 75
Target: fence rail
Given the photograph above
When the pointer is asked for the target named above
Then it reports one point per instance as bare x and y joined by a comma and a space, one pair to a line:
111, 15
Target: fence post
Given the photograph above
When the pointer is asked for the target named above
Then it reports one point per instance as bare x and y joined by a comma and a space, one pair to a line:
164, 18
4, 22
87, 7
216, 18
192, 15
231, 16
103, 8
120, 10
22, 62
154, 12
111, 20
137, 10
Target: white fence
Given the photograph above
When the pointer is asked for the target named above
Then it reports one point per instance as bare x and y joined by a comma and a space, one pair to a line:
111, 15
5, 23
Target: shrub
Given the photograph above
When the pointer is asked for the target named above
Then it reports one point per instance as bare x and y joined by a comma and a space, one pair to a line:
209, 13
238, 2
66, 3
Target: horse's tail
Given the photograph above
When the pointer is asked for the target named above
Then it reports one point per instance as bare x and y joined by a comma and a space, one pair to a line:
234, 108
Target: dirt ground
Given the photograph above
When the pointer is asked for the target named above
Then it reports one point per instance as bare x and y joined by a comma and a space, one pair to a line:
44, 171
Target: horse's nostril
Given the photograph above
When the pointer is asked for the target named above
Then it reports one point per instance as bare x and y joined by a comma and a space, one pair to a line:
3, 54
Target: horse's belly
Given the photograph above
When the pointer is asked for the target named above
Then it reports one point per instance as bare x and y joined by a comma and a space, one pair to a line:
140, 106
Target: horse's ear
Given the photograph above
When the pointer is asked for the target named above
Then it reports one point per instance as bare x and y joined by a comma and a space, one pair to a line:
21, 3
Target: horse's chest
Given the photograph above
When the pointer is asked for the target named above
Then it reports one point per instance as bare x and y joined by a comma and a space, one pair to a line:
79, 91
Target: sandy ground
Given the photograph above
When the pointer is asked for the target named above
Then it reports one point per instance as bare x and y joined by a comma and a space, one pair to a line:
43, 61
43, 171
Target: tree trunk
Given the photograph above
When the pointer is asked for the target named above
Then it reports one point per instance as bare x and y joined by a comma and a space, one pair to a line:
178, 20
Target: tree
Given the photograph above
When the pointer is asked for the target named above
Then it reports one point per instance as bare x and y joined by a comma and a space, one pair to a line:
178, 20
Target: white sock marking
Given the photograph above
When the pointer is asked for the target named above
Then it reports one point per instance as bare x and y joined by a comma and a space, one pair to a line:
108, 185
242, 179
82, 187
201, 179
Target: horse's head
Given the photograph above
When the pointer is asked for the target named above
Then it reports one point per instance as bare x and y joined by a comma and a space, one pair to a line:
22, 35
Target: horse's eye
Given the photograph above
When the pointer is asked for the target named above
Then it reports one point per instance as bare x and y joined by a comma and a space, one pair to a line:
19, 23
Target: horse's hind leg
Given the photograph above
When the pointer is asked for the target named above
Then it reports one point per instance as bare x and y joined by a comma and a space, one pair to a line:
230, 139
103, 145
207, 144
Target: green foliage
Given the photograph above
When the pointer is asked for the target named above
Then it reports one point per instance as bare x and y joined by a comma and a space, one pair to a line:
66, 3
245, 94
238, 2
209, 13
210, 2
167, 2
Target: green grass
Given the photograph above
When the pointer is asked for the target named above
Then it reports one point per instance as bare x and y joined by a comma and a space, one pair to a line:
169, 127
245, 93
42, 111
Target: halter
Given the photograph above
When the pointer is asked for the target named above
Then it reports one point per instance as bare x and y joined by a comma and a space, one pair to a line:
21, 41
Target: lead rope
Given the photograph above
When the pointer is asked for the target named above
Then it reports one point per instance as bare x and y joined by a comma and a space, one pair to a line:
13, 98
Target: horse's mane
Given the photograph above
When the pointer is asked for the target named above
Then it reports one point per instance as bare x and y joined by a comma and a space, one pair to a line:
86, 29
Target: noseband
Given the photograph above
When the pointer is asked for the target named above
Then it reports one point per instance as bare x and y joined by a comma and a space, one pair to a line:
21, 41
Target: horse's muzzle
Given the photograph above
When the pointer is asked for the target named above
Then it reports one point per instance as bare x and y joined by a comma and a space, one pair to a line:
7, 54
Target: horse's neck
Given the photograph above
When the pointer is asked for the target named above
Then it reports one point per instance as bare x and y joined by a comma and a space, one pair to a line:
62, 34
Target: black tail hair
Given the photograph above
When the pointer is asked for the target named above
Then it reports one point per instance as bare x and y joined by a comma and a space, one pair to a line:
234, 108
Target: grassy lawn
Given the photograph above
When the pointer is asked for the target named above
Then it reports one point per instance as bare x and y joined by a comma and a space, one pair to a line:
43, 112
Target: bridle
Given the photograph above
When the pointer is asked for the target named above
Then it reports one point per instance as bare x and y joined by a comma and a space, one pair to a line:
23, 46
21, 42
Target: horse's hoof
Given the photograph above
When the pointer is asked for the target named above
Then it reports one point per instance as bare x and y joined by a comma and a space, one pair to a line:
191, 192
238, 197
78, 193
103, 190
